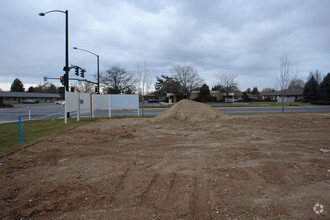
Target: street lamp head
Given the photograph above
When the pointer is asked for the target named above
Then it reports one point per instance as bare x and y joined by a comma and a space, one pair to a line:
75, 48
41, 14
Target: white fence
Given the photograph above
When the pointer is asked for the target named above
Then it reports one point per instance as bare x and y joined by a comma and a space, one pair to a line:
110, 102
85, 102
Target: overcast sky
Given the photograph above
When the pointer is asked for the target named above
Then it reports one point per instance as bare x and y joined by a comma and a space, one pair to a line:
238, 36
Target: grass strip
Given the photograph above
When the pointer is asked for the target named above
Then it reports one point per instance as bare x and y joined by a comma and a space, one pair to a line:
240, 104
33, 131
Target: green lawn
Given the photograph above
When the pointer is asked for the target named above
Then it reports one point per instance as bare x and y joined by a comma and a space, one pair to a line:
259, 104
279, 103
33, 131
240, 104
157, 106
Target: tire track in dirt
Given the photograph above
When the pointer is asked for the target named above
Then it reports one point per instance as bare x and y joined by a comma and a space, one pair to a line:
118, 186
142, 195
202, 188
192, 198
199, 197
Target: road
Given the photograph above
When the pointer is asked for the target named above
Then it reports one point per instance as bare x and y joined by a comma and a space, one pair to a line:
50, 110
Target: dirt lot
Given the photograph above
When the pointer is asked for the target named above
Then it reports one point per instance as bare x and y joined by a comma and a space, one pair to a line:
239, 167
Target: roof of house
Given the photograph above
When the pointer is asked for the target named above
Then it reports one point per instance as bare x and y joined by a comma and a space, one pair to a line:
29, 95
238, 93
294, 92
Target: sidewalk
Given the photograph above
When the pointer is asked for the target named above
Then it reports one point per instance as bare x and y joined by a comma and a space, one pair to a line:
21, 105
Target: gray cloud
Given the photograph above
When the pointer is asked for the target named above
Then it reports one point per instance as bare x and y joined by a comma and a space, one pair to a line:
245, 37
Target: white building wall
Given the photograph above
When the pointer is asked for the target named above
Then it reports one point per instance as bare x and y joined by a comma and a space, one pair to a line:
285, 99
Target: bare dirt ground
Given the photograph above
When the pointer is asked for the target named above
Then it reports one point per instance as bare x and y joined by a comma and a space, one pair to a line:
238, 167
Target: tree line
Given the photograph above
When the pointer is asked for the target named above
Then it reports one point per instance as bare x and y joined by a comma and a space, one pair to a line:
18, 86
183, 79
316, 88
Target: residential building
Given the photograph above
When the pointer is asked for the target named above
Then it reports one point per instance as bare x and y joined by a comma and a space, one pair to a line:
18, 97
290, 95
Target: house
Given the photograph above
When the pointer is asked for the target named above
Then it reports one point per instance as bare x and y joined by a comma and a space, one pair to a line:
289, 95
219, 96
153, 98
216, 95
255, 98
18, 97
194, 94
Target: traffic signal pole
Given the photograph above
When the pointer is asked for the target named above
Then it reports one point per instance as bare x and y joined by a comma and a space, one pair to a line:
67, 68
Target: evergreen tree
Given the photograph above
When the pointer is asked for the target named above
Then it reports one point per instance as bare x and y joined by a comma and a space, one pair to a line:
311, 89
31, 89
325, 88
204, 93
245, 97
255, 91
166, 84
218, 88
17, 86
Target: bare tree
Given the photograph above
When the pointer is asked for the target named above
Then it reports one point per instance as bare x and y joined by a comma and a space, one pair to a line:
318, 76
226, 82
85, 87
188, 77
296, 84
267, 90
117, 80
284, 77
143, 80
45, 88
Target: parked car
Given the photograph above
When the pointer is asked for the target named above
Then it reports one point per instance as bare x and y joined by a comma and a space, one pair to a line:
152, 100
60, 102
30, 101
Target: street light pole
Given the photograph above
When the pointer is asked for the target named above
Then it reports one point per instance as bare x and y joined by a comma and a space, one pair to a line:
98, 67
98, 74
66, 67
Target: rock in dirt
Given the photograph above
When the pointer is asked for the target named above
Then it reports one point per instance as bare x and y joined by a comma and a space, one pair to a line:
187, 110
324, 150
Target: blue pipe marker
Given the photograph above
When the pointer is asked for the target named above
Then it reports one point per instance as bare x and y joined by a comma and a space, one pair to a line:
20, 131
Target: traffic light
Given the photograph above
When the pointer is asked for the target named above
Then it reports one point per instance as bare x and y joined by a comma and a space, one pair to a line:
66, 81
61, 92
82, 73
62, 80
76, 70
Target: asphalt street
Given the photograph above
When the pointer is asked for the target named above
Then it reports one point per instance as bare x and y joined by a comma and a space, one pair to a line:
51, 111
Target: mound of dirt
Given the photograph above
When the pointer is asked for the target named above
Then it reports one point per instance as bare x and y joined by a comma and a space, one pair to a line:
187, 110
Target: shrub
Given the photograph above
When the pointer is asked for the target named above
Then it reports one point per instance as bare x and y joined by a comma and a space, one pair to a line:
197, 99
320, 103
2, 105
